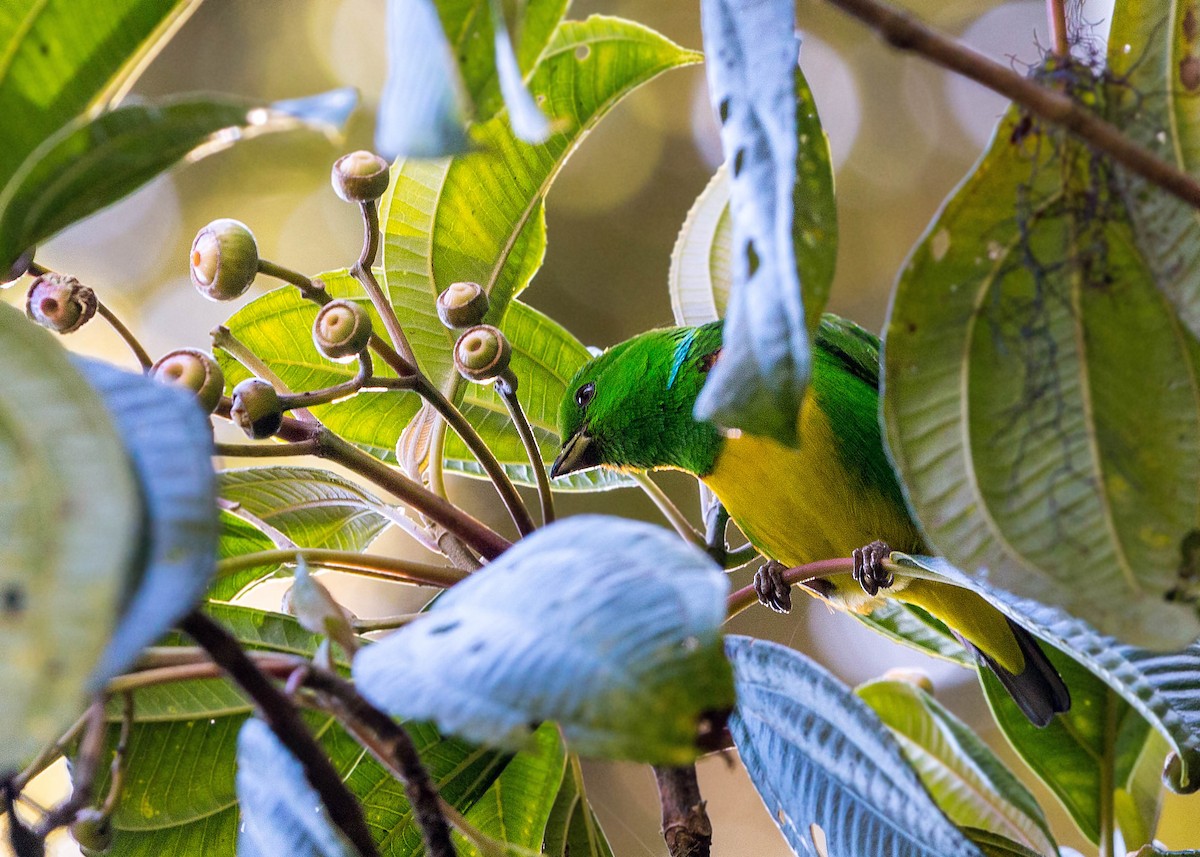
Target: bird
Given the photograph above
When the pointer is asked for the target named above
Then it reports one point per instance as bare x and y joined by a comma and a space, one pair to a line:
834, 495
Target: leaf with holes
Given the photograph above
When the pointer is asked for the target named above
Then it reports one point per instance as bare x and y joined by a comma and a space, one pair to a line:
821, 759
70, 533
1041, 397
93, 162
170, 442
964, 777
782, 214
609, 627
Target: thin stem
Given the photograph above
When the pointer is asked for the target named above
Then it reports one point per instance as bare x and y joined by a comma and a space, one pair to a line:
285, 721
685, 824
83, 772
49, 754
507, 389
905, 32
363, 273
747, 597
126, 334
479, 537
1108, 820
292, 401
394, 749
384, 623
385, 567
669, 510
223, 338
270, 663
435, 466
267, 450
116, 779
495, 471
452, 548
310, 288
1056, 15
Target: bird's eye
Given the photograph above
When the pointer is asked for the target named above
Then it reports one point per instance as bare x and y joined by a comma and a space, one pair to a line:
585, 393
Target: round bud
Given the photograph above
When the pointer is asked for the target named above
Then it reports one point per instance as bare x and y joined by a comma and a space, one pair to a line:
60, 302
224, 260
462, 305
17, 269
194, 370
917, 678
256, 408
482, 354
342, 330
360, 176
93, 831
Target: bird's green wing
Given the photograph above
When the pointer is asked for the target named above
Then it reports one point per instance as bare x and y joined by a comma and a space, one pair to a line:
853, 348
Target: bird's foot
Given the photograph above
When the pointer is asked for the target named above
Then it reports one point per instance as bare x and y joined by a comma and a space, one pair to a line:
869, 570
772, 589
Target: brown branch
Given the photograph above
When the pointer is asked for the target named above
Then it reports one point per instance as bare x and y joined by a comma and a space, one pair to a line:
393, 748
685, 824
362, 272
285, 721
747, 597
903, 31
83, 773
126, 334
1056, 15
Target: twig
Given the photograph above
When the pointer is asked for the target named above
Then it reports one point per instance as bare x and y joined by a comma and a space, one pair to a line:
116, 779
669, 510
1056, 15
292, 401
267, 450
312, 289
394, 749
508, 392
906, 33
363, 273
747, 597
223, 338
48, 755
83, 773
285, 721
685, 824
126, 334
385, 567
269, 663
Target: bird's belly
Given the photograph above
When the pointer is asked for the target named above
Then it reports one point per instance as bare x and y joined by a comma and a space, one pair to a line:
801, 505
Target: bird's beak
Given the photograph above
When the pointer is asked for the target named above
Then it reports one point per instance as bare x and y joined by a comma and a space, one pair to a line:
580, 452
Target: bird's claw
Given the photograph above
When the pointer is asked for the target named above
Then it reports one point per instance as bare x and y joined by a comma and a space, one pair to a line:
869, 570
773, 591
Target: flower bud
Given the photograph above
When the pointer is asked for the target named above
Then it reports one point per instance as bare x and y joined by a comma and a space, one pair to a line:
93, 831
917, 678
60, 303
360, 176
462, 305
224, 260
342, 330
1172, 776
193, 370
482, 354
17, 269
256, 408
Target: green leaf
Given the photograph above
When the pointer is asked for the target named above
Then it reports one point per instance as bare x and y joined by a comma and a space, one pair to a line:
1151, 52
912, 626
93, 162
609, 627
994, 845
573, 829
169, 439
1161, 688
60, 59
180, 796
281, 812
701, 273
514, 810
784, 222
1137, 800
820, 758
70, 532
237, 538
1041, 398
962, 774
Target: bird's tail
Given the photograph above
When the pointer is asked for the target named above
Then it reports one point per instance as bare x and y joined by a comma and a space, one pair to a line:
1039, 690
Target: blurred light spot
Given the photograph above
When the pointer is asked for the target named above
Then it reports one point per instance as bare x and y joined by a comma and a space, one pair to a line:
123, 246
177, 316
834, 91
351, 42
1010, 34
820, 844
321, 233
620, 155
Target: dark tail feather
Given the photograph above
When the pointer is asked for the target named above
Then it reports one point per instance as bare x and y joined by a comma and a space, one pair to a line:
1039, 691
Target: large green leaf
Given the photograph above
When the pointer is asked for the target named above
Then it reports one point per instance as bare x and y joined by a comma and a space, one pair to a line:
573, 829
821, 760
239, 537
515, 808
91, 163
609, 627
962, 774
59, 58
1041, 397
70, 531
180, 797
1152, 53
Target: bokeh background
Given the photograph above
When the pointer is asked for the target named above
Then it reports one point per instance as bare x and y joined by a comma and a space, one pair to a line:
902, 132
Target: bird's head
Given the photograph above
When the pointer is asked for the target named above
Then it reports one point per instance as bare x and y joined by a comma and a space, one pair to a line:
631, 407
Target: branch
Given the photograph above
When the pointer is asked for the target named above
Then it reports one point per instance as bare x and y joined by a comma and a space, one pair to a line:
685, 824
747, 597
362, 272
387, 568
903, 31
83, 773
508, 392
286, 723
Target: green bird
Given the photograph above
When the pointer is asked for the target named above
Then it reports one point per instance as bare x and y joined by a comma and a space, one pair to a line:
835, 495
